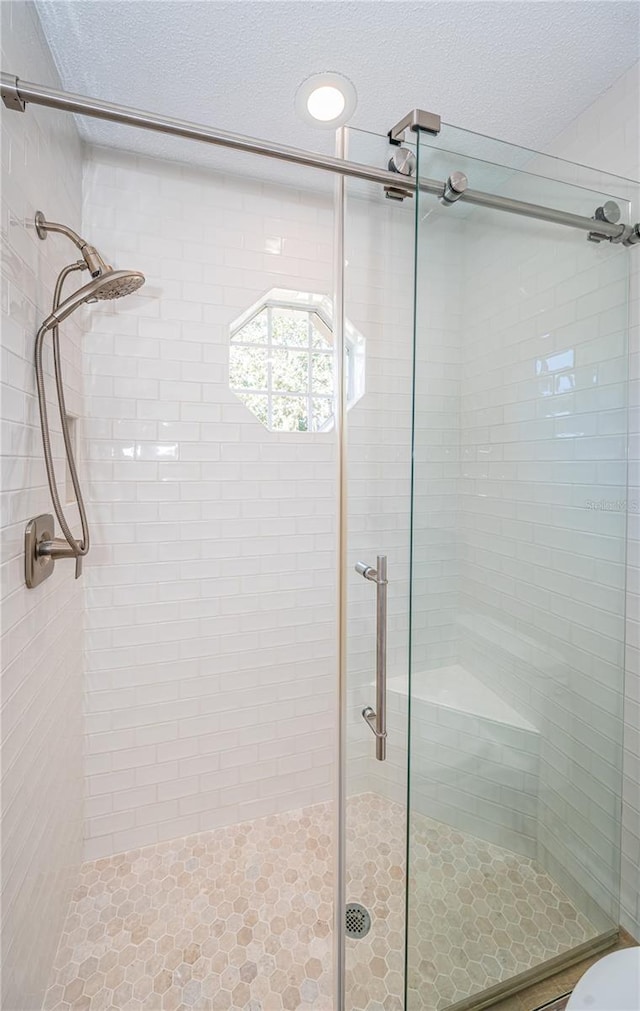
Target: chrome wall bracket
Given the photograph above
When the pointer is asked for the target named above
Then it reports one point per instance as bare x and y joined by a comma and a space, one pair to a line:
416, 120
41, 225
10, 94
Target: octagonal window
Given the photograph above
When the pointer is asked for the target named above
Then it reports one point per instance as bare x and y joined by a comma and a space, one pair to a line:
281, 361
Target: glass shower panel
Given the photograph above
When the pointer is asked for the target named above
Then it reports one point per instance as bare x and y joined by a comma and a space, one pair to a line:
518, 587
378, 273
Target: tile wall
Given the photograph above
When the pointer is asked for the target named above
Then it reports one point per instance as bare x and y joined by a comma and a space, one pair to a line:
211, 586
607, 136
440, 288
41, 628
542, 571
212, 700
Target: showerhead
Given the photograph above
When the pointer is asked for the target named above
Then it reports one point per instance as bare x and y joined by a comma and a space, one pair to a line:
112, 284
115, 284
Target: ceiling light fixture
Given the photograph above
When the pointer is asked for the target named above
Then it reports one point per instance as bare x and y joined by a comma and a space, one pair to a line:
326, 100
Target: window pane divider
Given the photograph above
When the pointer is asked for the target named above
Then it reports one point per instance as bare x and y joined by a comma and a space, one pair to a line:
256, 354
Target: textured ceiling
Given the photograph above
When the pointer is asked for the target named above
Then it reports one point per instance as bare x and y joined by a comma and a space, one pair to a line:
519, 70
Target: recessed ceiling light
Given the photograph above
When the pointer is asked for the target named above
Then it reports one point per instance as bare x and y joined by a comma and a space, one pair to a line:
326, 103
326, 100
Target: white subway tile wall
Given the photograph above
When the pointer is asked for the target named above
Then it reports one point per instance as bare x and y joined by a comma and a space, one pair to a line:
440, 293
542, 572
210, 646
607, 136
41, 628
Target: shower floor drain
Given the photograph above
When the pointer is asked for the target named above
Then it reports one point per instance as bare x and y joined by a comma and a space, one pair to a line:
357, 920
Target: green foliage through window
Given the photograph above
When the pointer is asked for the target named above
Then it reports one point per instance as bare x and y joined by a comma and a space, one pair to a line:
281, 367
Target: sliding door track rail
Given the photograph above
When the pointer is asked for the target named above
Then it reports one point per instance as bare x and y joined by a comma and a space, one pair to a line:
17, 94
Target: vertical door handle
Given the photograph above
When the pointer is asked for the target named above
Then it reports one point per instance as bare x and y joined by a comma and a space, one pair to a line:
377, 718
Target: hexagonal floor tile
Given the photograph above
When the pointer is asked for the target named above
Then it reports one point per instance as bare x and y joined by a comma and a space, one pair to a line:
240, 918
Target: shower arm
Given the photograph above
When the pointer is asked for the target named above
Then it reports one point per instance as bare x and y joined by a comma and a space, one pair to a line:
56, 547
92, 259
43, 226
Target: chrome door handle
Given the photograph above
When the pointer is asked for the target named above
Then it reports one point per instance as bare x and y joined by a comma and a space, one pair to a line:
376, 718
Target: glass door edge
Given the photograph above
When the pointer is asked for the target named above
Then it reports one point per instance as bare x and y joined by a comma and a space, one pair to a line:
340, 413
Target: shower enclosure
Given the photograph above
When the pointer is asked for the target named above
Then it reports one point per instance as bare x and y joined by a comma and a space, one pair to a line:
491, 473
454, 431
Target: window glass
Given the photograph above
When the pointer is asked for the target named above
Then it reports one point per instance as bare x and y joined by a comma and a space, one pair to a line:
281, 363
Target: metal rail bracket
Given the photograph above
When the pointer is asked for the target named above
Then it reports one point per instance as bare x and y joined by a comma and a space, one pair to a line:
416, 120
16, 93
11, 96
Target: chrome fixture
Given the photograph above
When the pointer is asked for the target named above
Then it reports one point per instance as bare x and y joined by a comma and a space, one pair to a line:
95, 263
16, 94
377, 718
633, 238
38, 566
610, 213
109, 285
42, 548
415, 120
455, 187
403, 162
357, 920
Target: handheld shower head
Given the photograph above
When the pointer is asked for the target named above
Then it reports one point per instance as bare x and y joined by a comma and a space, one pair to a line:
111, 284
41, 546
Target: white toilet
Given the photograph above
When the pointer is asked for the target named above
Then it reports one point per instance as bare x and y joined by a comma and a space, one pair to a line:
612, 984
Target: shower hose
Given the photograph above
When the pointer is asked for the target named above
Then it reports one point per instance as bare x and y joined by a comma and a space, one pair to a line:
79, 548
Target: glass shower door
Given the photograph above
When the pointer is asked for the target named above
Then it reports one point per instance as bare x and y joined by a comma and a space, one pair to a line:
378, 278
518, 585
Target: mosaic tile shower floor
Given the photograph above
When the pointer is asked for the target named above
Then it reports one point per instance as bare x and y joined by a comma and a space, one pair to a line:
239, 919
